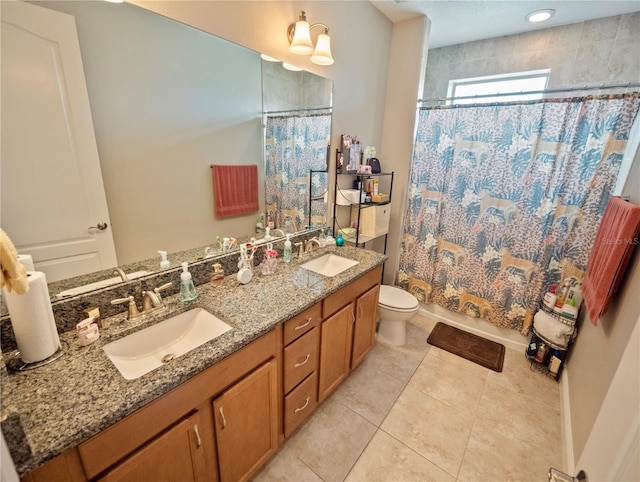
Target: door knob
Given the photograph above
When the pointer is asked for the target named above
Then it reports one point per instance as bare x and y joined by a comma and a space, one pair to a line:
101, 226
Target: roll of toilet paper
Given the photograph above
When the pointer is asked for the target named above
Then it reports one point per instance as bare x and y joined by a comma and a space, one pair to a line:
32, 320
27, 261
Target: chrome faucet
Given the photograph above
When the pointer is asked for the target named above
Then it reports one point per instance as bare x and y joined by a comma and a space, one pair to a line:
308, 245
300, 247
121, 273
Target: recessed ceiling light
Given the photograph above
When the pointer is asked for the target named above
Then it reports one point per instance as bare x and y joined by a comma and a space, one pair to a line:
540, 15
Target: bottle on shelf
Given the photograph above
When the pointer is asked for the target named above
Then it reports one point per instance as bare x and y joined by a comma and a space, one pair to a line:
554, 362
550, 297
561, 295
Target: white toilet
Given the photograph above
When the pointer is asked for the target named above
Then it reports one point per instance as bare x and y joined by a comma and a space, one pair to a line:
395, 307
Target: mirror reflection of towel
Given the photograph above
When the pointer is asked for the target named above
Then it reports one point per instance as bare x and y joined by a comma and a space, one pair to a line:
235, 190
13, 274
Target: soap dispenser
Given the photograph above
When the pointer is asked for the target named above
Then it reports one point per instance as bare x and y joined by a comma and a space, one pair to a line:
164, 262
217, 278
187, 289
286, 255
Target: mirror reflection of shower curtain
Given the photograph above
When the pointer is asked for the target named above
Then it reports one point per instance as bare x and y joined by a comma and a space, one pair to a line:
294, 145
505, 199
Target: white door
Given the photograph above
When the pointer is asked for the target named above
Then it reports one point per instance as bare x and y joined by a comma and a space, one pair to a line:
52, 195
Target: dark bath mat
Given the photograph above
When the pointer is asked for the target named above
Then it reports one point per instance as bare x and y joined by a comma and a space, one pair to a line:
487, 353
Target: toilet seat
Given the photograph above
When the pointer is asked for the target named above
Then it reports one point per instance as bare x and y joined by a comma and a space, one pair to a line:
397, 299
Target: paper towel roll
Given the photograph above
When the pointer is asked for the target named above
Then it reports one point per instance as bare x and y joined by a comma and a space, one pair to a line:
27, 261
32, 320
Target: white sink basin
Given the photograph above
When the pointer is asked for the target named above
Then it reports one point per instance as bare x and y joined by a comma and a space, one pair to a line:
329, 265
148, 349
99, 284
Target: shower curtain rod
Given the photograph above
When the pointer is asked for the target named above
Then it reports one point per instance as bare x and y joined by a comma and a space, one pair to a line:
628, 85
296, 110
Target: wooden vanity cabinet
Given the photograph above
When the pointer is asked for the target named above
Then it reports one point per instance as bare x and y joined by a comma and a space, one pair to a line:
246, 422
177, 454
348, 330
177, 431
301, 339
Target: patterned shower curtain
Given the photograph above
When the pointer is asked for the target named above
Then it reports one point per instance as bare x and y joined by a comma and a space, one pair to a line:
294, 145
504, 199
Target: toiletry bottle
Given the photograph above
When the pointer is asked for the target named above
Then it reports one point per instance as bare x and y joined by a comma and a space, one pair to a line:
267, 234
270, 221
187, 289
164, 262
550, 297
217, 278
339, 240
561, 295
286, 256
225, 244
575, 294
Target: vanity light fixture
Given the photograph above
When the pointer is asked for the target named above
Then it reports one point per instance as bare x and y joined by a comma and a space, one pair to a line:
291, 67
540, 15
299, 35
268, 58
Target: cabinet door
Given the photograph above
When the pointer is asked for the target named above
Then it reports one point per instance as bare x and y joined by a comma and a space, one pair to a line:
246, 423
335, 350
176, 455
364, 331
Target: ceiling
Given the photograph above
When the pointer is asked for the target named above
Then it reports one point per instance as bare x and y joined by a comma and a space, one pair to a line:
458, 21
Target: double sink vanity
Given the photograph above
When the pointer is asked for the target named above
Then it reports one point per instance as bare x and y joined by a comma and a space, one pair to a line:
202, 390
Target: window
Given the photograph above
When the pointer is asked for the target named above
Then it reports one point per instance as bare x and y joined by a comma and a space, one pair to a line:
483, 87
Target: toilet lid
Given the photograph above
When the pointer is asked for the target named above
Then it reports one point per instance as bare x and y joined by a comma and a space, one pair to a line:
397, 298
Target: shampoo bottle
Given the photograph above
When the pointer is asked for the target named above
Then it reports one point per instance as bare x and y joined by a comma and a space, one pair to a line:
164, 262
286, 255
187, 289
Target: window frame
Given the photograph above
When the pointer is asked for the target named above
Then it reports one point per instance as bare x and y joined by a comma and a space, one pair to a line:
498, 96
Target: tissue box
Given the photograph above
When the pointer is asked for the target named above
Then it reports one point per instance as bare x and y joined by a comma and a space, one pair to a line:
345, 197
374, 220
379, 198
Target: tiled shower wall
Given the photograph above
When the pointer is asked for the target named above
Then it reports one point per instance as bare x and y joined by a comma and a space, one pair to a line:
587, 53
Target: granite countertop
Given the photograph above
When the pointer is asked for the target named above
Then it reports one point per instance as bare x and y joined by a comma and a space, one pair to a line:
55, 407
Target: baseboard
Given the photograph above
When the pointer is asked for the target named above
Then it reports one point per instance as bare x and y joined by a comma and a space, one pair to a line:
566, 435
510, 338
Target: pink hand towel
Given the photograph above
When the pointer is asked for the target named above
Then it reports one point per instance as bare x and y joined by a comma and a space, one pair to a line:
235, 190
616, 238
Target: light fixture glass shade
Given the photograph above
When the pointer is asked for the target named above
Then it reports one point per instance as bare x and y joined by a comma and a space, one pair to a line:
291, 67
322, 54
301, 43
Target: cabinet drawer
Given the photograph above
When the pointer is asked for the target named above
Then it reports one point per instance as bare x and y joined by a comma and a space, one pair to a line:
300, 403
300, 359
302, 323
347, 294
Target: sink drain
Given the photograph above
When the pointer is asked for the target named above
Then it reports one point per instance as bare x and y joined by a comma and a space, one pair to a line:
168, 357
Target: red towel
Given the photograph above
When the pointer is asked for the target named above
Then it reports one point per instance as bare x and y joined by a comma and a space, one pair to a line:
235, 190
616, 238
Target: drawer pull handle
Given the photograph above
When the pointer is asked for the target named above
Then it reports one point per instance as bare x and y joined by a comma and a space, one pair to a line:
360, 314
303, 407
297, 365
305, 324
199, 440
224, 420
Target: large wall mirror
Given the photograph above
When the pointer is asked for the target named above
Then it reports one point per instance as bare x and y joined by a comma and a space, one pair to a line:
167, 102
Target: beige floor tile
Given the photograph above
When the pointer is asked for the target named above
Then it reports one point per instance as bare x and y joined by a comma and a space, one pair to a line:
519, 416
393, 362
433, 429
369, 392
331, 441
385, 459
492, 456
286, 467
517, 376
450, 379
